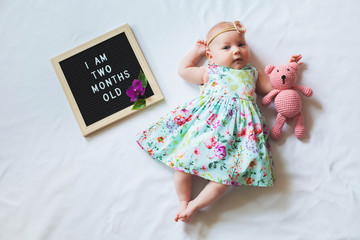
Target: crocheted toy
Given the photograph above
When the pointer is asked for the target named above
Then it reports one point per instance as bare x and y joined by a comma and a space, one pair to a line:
287, 100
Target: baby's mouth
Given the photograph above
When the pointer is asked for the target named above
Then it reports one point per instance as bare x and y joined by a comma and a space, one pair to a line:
237, 60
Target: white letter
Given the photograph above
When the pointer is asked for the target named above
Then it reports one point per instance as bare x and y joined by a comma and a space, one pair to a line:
108, 68
108, 82
120, 76
103, 57
86, 65
106, 97
112, 97
117, 91
95, 88
102, 85
101, 72
97, 61
93, 73
113, 77
127, 75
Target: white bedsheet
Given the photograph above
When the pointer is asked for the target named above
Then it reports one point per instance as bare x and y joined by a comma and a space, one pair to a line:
57, 185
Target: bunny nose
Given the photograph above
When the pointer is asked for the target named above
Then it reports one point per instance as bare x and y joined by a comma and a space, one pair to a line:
283, 77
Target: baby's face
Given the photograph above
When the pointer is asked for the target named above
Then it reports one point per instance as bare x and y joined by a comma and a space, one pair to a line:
229, 49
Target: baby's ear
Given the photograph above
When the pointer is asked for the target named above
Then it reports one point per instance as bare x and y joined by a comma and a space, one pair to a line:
208, 54
269, 69
294, 66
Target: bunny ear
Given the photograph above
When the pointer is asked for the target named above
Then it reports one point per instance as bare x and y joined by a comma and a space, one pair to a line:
269, 69
294, 66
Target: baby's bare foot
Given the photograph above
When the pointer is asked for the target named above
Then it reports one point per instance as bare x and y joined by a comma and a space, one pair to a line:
183, 205
189, 212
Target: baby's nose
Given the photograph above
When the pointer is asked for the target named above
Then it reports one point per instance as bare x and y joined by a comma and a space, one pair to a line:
237, 50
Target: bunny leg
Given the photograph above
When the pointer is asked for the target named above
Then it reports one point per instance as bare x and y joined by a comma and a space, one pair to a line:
300, 130
276, 131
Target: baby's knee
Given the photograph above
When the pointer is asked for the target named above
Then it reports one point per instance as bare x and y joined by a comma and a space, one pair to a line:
220, 187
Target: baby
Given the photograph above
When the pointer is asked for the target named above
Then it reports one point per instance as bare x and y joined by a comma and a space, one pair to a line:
221, 135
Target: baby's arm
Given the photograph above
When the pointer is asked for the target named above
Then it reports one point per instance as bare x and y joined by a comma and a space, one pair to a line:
263, 85
187, 67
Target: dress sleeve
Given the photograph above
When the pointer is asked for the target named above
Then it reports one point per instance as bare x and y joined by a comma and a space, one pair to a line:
255, 73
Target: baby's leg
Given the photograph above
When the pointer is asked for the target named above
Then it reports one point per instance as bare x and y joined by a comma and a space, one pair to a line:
183, 183
207, 196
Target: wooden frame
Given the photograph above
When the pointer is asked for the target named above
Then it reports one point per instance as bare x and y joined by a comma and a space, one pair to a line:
85, 128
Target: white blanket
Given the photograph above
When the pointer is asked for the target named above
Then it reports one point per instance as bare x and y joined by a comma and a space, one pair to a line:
57, 185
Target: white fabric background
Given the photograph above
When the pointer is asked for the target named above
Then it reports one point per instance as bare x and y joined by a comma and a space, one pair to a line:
56, 184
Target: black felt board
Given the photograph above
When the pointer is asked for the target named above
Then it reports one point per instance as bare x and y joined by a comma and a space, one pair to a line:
96, 75
99, 77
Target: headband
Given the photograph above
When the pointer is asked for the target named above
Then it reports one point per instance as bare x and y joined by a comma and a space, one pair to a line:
238, 26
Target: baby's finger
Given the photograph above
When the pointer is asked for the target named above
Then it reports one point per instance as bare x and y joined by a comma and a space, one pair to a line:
295, 58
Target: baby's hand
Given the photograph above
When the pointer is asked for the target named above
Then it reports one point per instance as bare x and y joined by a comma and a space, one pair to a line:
200, 47
296, 59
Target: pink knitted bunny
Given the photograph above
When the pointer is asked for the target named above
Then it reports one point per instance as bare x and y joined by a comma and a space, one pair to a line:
287, 100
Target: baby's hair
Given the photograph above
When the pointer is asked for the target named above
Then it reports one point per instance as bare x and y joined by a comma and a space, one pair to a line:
224, 27
216, 28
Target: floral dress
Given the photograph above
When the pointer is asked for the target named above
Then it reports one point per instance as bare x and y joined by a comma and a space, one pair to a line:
220, 135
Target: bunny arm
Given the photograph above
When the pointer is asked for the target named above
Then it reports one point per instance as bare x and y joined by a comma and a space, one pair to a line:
308, 92
267, 99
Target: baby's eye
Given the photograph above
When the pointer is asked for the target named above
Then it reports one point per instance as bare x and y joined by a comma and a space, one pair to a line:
241, 45
226, 47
